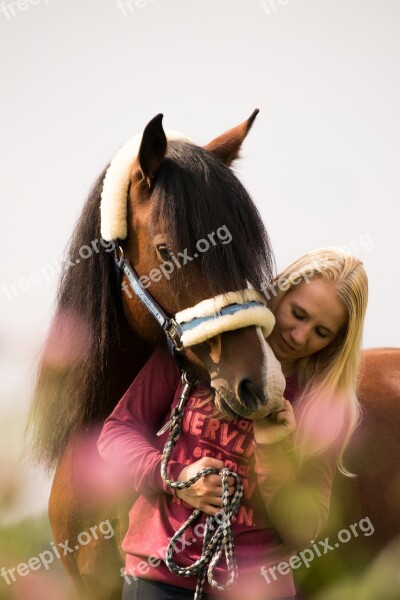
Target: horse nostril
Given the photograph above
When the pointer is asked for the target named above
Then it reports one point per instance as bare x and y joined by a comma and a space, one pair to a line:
249, 395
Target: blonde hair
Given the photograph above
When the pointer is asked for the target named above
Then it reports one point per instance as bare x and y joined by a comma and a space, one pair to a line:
327, 409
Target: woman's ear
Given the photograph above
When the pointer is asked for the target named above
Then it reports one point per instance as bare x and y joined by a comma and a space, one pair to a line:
226, 147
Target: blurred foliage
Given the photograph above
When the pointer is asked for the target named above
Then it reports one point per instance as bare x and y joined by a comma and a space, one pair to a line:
19, 543
24, 539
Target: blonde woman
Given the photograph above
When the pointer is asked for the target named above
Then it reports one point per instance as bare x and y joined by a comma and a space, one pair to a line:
319, 303
287, 462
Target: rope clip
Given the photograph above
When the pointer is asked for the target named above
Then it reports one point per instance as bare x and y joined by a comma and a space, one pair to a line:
186, 387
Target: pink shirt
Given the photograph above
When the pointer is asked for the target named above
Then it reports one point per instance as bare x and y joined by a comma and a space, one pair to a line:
261, 530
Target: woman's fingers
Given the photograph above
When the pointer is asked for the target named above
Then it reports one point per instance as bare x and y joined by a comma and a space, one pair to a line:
210, 510
211, 504
216, 501
218, 491
215, 481
212, 480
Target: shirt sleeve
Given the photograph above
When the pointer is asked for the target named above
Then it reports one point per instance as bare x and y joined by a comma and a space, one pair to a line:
128, 441
297, 499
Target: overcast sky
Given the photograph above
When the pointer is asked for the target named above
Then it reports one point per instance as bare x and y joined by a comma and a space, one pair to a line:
321, 162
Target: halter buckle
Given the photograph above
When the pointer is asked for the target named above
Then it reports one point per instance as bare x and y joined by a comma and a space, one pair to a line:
118, 254
174, 332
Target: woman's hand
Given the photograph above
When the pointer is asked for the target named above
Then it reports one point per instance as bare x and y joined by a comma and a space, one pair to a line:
276, 427
206, 493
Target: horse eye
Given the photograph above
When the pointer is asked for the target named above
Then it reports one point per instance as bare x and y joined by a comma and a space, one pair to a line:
163, 252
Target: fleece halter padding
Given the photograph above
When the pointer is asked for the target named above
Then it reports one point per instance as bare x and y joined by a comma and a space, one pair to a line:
114, 200
226, 312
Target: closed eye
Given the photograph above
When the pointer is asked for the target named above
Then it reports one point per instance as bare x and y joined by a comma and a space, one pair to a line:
321, 335
298, 316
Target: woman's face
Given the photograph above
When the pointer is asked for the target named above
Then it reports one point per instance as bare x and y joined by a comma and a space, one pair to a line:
308, 318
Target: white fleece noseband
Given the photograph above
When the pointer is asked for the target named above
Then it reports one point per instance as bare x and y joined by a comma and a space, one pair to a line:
114, 201
226, 312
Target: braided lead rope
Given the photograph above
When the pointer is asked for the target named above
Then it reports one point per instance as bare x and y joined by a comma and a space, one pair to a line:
221, 541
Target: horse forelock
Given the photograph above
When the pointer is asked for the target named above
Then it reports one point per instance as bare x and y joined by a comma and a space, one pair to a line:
196, 195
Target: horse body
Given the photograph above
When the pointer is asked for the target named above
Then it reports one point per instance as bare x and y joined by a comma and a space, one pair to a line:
374, 493
373, 455
80, 497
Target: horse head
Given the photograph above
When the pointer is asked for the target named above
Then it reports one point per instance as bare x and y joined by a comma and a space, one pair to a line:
197, 242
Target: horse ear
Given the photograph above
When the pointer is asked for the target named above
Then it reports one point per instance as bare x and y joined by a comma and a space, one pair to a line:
152, 148
226, 146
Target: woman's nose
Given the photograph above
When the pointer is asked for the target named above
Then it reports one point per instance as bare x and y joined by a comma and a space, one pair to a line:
299, 335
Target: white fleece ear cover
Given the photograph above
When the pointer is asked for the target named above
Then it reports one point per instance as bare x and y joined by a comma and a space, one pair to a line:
114, 197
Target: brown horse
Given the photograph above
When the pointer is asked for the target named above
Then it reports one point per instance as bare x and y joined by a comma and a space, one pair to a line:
373, 456
179, 193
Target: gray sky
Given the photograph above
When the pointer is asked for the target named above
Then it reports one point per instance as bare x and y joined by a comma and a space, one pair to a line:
80, 78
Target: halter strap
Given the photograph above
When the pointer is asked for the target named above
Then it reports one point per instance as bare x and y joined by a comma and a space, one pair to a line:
171, 328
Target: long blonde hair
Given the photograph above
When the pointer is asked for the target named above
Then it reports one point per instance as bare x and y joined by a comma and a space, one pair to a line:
327, 409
